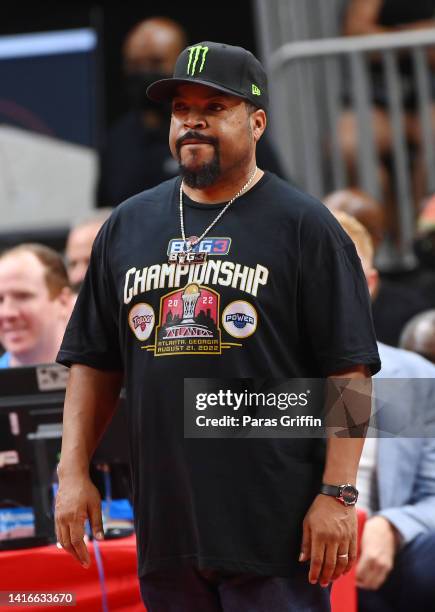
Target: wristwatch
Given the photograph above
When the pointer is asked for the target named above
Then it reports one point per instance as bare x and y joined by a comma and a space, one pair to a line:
346, 494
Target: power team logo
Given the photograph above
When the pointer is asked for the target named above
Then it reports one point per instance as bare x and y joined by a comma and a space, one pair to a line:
141, 320
196, 53
189, 322
240, 319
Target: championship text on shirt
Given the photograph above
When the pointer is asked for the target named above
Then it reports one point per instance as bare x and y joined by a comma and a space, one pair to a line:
225, 273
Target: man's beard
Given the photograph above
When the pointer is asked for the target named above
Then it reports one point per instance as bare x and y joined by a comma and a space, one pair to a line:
206, 174
201, 177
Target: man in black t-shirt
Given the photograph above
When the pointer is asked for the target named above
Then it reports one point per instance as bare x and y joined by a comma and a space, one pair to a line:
228, 272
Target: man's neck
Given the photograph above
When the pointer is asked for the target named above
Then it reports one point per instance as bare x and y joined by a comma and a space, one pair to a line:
225, 188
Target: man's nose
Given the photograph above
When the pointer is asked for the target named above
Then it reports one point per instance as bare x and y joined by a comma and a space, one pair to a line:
8, 308
195, 121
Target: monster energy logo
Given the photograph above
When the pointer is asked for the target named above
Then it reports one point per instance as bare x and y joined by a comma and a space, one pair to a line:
194, 55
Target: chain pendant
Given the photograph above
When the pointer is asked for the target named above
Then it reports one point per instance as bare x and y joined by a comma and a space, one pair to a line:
188, 258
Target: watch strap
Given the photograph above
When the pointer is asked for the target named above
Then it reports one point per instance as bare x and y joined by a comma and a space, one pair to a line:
327, 489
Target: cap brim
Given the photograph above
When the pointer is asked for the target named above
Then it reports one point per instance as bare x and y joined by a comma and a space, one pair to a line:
165, 89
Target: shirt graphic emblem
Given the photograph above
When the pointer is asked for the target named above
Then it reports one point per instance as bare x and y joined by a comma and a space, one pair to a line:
239, 319
189, 322
141, 320
211, 246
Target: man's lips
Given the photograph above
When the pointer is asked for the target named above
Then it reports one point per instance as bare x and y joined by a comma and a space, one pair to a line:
192, 141
11, 337
13, 332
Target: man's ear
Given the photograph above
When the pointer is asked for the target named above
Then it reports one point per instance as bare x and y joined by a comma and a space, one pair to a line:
258, 123
66, 302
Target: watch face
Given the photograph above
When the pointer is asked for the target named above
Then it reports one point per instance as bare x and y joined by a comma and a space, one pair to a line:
349, 494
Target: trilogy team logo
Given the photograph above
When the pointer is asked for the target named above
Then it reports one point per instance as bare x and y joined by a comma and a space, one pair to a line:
194, 54
141, 320
240, 319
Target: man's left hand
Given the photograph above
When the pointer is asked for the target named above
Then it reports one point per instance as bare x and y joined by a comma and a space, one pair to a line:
329, 534
378, 547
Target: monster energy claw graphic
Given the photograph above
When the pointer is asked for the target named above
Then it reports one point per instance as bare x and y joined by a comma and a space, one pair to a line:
194, 55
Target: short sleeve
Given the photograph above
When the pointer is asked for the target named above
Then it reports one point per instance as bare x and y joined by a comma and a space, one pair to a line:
335, 303
91, 337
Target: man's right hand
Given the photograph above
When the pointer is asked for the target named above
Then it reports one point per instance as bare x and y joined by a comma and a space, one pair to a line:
77, 500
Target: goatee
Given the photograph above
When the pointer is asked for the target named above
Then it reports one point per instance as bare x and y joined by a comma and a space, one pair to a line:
204, 176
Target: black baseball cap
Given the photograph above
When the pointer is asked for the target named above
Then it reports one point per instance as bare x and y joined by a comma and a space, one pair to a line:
230, 69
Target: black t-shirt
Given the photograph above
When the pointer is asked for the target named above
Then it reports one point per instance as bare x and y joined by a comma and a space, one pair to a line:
277, 256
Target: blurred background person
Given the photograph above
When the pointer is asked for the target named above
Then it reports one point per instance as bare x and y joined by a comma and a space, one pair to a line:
35, 304
396, 474
136, 155
79, 245
356, 203
425, 250
419, 335
380, 17
395, 300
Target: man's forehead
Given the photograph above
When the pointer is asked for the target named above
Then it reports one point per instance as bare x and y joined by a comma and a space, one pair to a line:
84, 233
205, 92
22, 266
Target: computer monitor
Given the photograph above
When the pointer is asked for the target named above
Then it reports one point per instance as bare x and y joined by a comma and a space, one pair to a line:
31, 412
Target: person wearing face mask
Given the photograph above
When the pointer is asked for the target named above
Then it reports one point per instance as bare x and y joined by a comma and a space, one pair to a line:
136, 155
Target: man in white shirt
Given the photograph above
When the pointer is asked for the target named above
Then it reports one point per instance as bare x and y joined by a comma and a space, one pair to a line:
35, 304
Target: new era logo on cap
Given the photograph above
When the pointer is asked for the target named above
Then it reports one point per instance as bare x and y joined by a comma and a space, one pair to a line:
230, 69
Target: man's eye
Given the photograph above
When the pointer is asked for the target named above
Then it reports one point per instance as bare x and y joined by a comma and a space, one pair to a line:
178, 106
23, 296
216, 106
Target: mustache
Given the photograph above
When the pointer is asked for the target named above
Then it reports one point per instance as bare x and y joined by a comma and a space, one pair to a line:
191, 134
